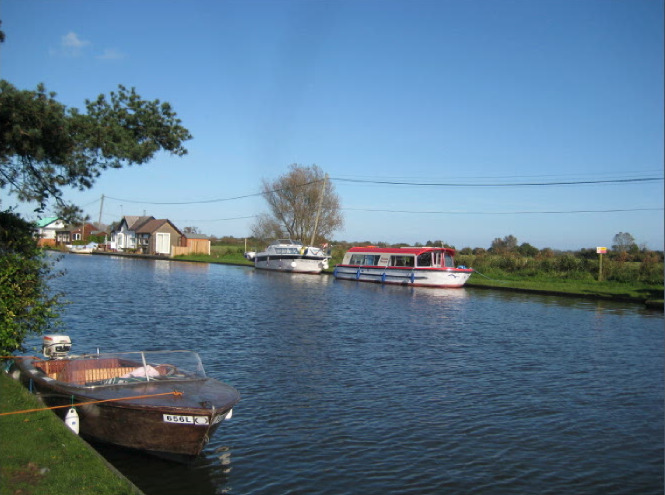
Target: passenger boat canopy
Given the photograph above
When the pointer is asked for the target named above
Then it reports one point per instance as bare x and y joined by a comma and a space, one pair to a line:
401, 257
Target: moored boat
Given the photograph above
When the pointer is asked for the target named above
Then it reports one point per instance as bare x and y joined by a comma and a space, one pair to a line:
290, 256
158, 402
414, 266
80, 249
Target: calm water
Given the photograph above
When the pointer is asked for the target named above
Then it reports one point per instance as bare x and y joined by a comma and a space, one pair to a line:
355, 388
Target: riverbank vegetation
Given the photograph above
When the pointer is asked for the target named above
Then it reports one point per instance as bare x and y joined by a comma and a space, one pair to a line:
628, 273
40, 455
27, 306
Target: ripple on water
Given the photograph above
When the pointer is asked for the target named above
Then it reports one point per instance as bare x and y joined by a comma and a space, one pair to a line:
360, 388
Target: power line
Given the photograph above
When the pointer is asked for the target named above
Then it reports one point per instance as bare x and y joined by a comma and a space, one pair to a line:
402, 183
500, 184
218, 200
616, 210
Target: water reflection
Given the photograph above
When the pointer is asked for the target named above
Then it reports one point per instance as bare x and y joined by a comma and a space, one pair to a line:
152, 474
363, 388
593, 305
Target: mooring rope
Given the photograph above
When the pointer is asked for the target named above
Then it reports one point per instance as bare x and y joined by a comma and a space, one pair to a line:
489, 278
175, 393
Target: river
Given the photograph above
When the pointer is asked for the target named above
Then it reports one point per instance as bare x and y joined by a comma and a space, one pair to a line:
351, 388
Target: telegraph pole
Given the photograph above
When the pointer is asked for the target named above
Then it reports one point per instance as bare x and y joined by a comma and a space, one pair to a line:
101, 207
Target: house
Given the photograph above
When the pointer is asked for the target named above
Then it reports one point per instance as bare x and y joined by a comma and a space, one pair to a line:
123, 237
47, 230
146, 235
158, 237
72, 233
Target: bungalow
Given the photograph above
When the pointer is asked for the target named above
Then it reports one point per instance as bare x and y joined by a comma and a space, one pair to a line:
72, 233
123, 237
158, 237
47, 229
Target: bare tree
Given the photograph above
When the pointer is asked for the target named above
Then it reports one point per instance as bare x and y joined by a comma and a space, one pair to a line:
303, 205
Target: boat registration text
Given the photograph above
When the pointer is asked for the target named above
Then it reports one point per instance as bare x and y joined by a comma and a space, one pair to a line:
186, 420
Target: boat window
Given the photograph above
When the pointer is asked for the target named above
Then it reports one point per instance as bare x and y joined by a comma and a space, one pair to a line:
286, 250
425, 259
401, 260
449, 261
356, 259
372, 259
364, 259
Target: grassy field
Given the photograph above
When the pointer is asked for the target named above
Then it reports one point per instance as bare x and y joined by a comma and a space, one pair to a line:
40, 455
572, 284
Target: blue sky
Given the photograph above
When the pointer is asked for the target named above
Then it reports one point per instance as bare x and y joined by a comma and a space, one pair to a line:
481, 94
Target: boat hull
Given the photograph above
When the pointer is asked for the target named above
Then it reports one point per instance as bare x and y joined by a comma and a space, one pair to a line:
147, 416
415, 277
293, 264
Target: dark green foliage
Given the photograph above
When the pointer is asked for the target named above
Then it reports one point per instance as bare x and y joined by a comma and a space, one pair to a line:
26, 306
44, 146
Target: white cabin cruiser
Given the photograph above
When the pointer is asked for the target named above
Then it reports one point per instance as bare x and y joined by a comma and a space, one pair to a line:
286, 255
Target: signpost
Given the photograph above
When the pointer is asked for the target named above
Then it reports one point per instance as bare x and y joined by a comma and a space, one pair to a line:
601, 251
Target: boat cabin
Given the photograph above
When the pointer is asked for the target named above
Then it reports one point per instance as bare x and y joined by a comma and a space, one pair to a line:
401, 257
285, 246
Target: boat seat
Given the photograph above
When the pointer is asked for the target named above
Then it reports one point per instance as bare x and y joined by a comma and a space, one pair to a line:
99, 374
85, 372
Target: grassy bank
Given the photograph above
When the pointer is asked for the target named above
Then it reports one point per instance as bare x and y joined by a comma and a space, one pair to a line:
40, 455
611, 291
553, 277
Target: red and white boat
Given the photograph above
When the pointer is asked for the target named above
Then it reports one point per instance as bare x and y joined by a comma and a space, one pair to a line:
413, 266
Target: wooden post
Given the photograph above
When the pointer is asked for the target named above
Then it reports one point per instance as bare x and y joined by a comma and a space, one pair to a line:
600, 251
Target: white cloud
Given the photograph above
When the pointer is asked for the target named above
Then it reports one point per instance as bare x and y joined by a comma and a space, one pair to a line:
71, 40
111, 54
71, 45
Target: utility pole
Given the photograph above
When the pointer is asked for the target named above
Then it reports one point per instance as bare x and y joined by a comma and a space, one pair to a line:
101, 208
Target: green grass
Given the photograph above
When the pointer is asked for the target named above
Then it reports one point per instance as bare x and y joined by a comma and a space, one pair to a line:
636, 292
219, 254
40, 455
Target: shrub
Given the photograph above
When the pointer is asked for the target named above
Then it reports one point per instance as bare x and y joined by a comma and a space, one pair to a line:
26, 306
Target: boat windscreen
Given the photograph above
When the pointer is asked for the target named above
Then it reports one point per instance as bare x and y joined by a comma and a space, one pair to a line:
126, 367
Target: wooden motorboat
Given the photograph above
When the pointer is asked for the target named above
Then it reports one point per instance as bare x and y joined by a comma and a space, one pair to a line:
415, 266
159, 402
